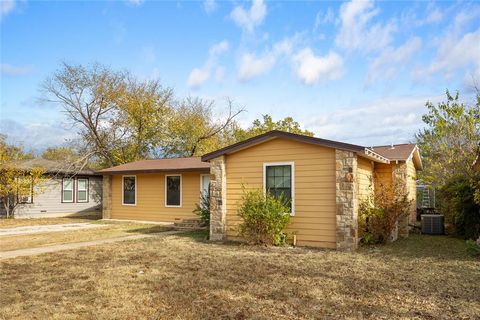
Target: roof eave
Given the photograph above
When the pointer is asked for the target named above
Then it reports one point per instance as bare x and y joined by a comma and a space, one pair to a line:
139, 171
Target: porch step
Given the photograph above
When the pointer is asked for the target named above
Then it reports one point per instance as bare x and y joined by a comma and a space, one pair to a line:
189, 224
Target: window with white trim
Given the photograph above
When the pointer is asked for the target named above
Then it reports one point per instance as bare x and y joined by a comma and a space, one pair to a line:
278, 182
82, 189
129, 190
173, 190
67, 190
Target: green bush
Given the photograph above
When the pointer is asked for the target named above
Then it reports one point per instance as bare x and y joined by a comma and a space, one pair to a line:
473, 248
203, 208
264, 218
457, 204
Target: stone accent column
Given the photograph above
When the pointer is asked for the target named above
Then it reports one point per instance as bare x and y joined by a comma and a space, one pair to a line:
218, 199
400, 180
346, 200
107, 197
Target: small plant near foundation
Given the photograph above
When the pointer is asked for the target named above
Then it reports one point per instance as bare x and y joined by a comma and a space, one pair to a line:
203, 208
264, 218
379, 214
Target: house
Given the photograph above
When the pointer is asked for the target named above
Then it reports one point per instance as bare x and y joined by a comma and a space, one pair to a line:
164, 190
324, 180
68, 191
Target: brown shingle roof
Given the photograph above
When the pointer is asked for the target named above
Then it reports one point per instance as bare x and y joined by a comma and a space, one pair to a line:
397, 152
160, 165
51, 166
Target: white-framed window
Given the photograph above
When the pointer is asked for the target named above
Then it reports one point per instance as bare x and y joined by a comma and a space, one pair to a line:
205, 184
279, 181
26, 193
129, 190
82, 189
67, 189
173, 190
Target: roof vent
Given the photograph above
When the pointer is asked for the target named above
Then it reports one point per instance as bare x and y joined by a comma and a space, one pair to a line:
392, 146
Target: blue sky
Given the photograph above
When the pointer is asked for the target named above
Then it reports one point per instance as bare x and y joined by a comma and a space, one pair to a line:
358, 71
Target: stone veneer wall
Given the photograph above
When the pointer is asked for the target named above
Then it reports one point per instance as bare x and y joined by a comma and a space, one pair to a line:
400, 177
107, 197
218, 196
346, 200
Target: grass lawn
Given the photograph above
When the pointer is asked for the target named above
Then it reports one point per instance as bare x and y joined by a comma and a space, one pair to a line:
12, 223
110, 230
184, 277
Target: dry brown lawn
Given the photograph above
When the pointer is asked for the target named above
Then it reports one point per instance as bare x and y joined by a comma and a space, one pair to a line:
110, 230
180, 277
12, 223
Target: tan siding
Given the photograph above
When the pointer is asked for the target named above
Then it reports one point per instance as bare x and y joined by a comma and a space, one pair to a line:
383, 175
314, 220
151, 198
412, 189
364, 178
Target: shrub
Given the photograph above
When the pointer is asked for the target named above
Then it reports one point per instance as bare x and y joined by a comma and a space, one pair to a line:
264, 218
457, 204
203, 208
379, 214
473, 248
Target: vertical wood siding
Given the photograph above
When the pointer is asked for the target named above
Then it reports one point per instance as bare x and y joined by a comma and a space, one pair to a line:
150, 202
314, 221
49, 202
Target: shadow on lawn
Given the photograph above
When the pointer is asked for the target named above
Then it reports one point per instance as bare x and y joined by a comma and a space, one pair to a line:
151, 229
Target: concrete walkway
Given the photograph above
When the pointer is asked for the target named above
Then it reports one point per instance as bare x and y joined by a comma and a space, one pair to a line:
49, 228
76, 245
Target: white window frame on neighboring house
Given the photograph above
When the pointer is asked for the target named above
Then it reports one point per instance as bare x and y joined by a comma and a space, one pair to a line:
87, 185
292, 181
72, 190
123, 190
181, 190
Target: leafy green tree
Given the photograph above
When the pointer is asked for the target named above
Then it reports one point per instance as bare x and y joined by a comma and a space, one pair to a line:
449, 145
449, 141
260, 126
16, 184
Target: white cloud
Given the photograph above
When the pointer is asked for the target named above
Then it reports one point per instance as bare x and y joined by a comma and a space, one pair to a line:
378, 122
36, 136
435, 15
386, 65
252, 65
209, 6
324, 18
136, 2
11, 70
249, 19
311, 69
198, 76
6, 7
454, 52
357, 32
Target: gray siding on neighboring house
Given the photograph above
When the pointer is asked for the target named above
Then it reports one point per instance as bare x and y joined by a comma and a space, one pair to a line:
49, 202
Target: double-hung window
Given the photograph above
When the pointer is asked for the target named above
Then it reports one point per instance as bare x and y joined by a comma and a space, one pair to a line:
129, 190
67, 190
173, 190
278, 181
82, 189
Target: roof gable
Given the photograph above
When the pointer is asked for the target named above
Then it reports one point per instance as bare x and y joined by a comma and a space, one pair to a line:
365, 152
401, 152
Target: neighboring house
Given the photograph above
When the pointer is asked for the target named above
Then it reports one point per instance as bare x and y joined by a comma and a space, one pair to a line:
68, 191
155, 190
325, 180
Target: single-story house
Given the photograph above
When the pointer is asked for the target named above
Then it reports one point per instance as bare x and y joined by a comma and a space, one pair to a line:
324, 179
68, 190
